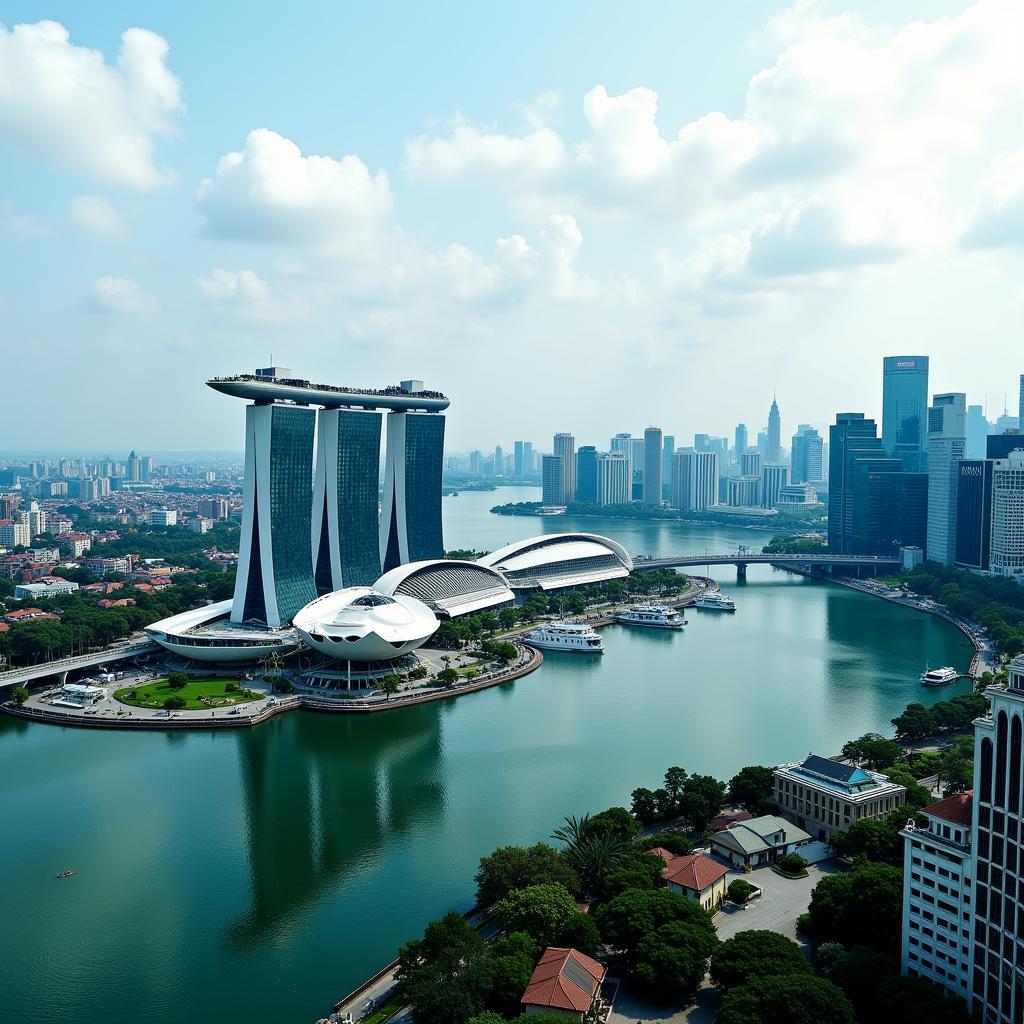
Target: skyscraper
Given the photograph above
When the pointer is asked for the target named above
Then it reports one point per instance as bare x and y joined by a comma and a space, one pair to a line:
773, 479
750, 463
977, 431
529, 460
890, 507
346, 528
613, 483
905, 410
518, 461
410, 524
973, 513
134, 467
668, 450
741, 440
652, 465
1020, 405
947, 440
565, 448
1006, 553
851, 436
806, 455
586, 474
552, 481
773, 449
694, 480
499, 461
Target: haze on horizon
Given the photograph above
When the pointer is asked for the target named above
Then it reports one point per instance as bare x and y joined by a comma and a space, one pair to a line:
565, 219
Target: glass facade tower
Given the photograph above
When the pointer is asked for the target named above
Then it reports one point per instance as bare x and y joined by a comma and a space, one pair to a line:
905, 410
850, 437
652, 465
586, 474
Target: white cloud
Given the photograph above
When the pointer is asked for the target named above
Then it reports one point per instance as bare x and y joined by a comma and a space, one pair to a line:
66, 104
96, 217
121, 295
998, 219
240, 293
270, 192
15, 224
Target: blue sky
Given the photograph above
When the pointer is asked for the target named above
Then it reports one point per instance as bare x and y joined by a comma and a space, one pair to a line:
565, 216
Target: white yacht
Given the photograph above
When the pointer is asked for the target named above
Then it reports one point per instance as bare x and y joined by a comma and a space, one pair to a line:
657, 616
939, 676
565, 636
715, 601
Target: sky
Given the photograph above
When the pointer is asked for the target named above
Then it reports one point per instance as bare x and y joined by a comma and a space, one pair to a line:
566, 217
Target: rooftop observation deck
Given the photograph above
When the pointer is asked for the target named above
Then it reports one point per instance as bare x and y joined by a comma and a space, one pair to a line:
302, 392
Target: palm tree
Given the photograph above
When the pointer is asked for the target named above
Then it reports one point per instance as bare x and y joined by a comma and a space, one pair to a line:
593, 852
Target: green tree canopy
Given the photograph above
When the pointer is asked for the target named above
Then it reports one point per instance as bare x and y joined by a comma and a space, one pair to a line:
635, 913
752, 787
873, 750
873, 839
756, 954
862, 907
786, 999
512, 956
544, 912
515, 867
670, 963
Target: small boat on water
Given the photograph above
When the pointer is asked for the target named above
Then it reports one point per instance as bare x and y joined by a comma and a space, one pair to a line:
566, 636
714, 601
655, 616
66, 874
939, 676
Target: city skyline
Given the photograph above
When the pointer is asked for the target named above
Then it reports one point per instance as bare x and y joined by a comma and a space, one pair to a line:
628, 227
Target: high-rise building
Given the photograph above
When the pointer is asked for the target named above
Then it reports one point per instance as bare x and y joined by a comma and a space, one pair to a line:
750, 463
529, 458
613, 482
999, 446
805, 455
694, 480
701, 442
214, 508
565, 448
410, 523
476, 463
552, 481
668, 450
973, 513
637, 451
852, 436
741, 440
652, 465
977, 431
518, 460
163, 517
586, 474
905, 410
773, 449
1020, 405
13, 535
890, 507
134, 467
773, 479
947, 440
145, 467
1006, 551
345, 528
744, 492
6, 507
499, 460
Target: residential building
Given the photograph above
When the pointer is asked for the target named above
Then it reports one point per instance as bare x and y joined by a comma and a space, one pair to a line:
773, 449
694, 480
806, 455
1006, 549
826, 796
905, 410
947, 443
773, 479
586, 474
653, 439
758, 841
564, 983
744, 492
937, 892
613, 482
499, 461
214, 508
101, 566
852, 436
13, 535
163, 517
79, 543
52, 587
1020, 406
694, 876
197, 524
565, 448
973, 514
552, 482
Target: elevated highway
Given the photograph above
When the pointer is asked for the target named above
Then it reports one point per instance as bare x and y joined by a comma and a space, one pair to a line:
61, 668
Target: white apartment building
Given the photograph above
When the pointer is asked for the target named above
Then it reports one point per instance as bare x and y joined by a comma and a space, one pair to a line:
14, 534
163, 517
1006, 550
694, 480
613, 479
937, 890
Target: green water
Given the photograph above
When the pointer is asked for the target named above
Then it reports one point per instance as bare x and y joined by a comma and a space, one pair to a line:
261, 874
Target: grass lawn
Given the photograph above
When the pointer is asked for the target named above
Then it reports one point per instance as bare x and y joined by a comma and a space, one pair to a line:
382, 1013
153, 695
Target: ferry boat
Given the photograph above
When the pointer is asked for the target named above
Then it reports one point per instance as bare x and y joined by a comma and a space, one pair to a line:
657, 616
939, 676
565, 636
715, 601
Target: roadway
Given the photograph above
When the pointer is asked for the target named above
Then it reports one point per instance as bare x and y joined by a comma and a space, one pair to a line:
116, 652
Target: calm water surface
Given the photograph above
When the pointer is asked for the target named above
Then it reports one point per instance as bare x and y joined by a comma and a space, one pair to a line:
264, 873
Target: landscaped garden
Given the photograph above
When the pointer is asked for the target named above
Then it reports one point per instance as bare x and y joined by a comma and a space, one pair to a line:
184, 693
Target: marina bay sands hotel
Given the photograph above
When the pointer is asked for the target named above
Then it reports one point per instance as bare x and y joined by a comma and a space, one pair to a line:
297, 543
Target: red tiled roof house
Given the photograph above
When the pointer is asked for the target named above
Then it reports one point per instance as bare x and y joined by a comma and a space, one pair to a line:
695, 876
565, 983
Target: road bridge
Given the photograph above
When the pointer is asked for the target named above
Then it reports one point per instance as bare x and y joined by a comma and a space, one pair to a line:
61, 668
742, 558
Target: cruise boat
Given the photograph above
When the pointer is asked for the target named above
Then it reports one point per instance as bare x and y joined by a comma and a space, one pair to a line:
657, 616
715, 601
565, 636
939, 676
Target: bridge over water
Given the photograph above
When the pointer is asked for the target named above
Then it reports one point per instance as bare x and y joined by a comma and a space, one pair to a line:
742, 558
60, 669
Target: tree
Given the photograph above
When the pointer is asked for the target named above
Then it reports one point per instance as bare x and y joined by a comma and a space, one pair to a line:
19, 694
390, 685
670, 963
791, 864
644, 807
512, 957
874, 750
675, 779
859, 972
786, 999
513, 867
543, 911
446, 976
177, 680
752, 787
872, 839
592, 852
858, 908
906, 1000
917, 796
616, 820
956, 772
674, 842
637, 870
702, 799
739, 891
174, 702
447, 676
756, 954
915, 723
626, 919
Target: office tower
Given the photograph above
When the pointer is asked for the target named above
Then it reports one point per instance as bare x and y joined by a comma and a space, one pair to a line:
410, 523
666, 458
741, 440
213, 508
613, 486
529, 459
701, 442
773, 479
586, 474
905, 410
345, 533
762, 444
851, 436
1006, 552
947, 439
694, 480
1006, 422
1020, 405
773, 448
719, 445
275, 565
499, 460
999, 446
565, 448
977, 431
744, 492
750, 463
145, 467
806, 456
134, 467
973, 514
518, 461
890, 507
552, 481
652, 465
637, 452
